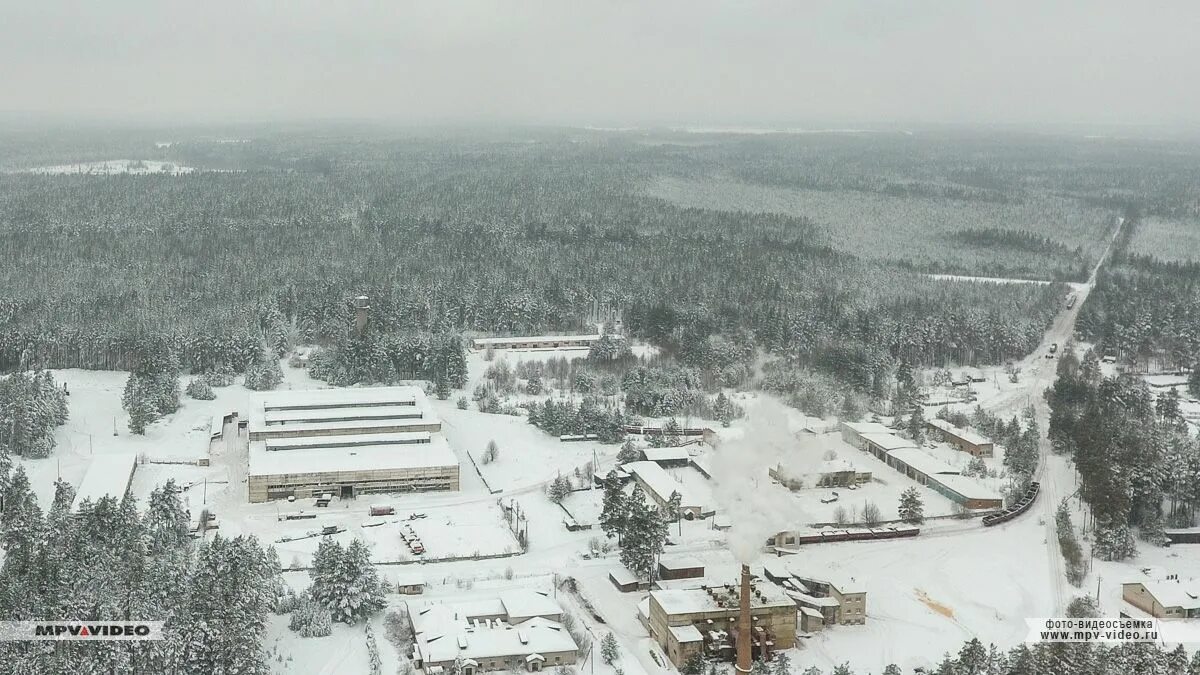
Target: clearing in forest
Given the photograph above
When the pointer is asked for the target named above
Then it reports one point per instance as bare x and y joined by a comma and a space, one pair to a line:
1031, 236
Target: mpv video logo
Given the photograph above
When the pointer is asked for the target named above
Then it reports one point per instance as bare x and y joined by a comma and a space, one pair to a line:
13, 631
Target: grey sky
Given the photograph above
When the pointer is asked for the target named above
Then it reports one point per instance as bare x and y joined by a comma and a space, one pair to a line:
607, 61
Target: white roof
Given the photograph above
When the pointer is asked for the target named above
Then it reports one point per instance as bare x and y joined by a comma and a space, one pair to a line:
330, 409
623, 576
888, 441
523, 603
695, 600
777, 568
666, 454
965, 434
867, 427
968, 487
217, 426
922, 461
490, 641
381, 457
809, 611
450, 630
661, 483
356, 413
337, 441
107, 476
315, 399
410, 577
813, 601
315, 428
838, 465
680, 563
534, 338
1175, 593
843, 585
685, 634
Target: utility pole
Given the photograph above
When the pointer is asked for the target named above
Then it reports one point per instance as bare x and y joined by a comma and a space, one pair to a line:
1098, 578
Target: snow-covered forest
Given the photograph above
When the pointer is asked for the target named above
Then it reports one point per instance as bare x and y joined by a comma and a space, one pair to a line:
499, 234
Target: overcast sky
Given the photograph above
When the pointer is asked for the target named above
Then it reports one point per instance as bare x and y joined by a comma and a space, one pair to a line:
607, 62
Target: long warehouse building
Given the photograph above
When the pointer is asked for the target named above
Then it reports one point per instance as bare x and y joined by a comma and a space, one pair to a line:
347, 442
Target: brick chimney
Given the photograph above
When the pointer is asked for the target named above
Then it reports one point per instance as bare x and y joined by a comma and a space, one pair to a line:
743, 635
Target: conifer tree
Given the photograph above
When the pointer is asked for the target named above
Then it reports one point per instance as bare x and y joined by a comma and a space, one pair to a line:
615, 510
345, 581
608, 649
912, 509
166, 519
628, 452
644, 536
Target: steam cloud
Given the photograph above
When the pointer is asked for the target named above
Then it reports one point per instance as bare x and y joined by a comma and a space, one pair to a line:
757, 508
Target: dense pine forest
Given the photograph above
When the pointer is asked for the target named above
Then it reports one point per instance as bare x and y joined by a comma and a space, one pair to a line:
515, 232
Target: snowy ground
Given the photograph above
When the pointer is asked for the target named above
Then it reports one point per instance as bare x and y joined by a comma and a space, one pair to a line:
925, 596
113, 167
527, 455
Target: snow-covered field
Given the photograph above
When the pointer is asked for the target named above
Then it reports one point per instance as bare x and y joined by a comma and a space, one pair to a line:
113, 167
527, 455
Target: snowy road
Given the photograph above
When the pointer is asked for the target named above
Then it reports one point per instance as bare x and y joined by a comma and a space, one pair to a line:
1053, 472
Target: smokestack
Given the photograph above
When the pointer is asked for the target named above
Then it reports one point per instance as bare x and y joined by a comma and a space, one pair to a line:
361, 305
743, 634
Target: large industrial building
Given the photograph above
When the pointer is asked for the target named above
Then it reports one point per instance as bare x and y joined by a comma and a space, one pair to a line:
347, 442
704, 619
904, 456
517, 630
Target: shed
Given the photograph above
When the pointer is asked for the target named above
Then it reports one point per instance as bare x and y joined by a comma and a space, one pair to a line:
410, 582
626, 581
681, 567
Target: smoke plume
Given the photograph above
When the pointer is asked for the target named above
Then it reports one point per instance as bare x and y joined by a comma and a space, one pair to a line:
757, 508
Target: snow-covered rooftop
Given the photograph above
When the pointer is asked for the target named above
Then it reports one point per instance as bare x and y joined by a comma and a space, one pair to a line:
888, 441
922, 461
1175, 592
839, 465
680, 562
867, 427
491, 640
968, 487
685, 634
375, 412
312, 442
676, 454
965, 434
449, 630
342, 397
523, 603
697, 600
377, 457
410, 577
812, 600
623, 576
325, 410
107, 476
662, 484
